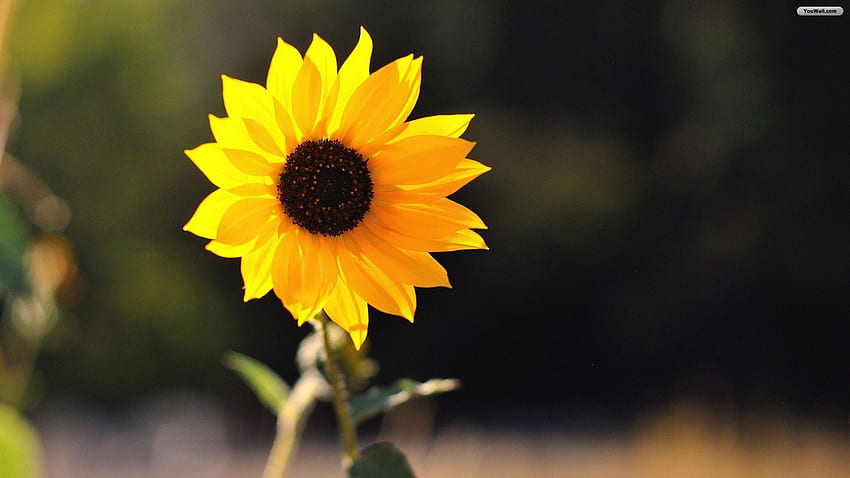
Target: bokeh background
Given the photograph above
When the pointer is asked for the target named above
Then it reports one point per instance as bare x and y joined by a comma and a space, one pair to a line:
667, 206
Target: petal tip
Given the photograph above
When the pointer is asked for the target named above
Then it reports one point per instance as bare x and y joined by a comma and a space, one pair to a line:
358, 337
317, 39
304, 318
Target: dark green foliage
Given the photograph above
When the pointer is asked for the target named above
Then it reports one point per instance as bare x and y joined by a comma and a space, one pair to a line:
381, 460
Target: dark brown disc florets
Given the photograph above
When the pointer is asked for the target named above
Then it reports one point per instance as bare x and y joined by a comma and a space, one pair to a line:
325, 187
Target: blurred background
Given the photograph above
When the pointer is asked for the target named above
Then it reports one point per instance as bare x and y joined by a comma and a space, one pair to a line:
668, 273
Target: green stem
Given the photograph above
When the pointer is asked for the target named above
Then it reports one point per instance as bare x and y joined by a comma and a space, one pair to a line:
291, 416
343, 413
284, 442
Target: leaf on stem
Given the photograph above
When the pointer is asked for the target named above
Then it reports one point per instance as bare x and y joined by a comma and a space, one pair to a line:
380, 399
269, 388
381, 460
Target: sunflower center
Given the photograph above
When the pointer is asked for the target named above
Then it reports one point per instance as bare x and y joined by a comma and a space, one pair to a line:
325, 187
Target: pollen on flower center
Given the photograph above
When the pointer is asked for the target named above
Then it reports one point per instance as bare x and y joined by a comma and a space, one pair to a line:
325, 187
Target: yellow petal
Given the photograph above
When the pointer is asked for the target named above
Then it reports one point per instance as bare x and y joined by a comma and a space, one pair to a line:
410, 298
256, 266
306, 97
354, 70
243, 99
410, 267
320, 271
207, 217
378, 103
414, 80
418, 160
232, 133
451, 211
217, 167
285, 288
454, 241
242, 221
241, 250
284, 120
255, 190
260, 134
228, 250
323, 56
411, 222
284, 67
369, 282
303, 273
312, 86
466, 171
252, 164
349, 311
463, 239
441, 125
441, 214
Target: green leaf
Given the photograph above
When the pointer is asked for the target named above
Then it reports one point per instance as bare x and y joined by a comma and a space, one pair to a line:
381, 460
269, 388
379, 399
19, 446
12, 242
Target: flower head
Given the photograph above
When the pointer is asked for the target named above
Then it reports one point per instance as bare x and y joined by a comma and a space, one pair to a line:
325, 191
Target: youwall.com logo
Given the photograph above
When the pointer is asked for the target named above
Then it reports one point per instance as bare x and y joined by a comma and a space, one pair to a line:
820, 11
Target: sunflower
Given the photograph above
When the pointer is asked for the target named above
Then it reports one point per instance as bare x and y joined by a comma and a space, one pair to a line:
327, 193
